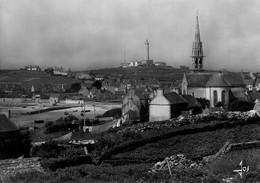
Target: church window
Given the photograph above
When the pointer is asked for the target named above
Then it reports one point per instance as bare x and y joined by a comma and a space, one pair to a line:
215, 97
223, 97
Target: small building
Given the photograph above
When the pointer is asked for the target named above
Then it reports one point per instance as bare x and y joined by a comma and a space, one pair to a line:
124, 65
99, 77
32, 68
134, 64
60, 71
131, 106
166, 106
37, 98
84, 92
159, 64
257, 107
193, 104
55, 98
257, 84
119, 94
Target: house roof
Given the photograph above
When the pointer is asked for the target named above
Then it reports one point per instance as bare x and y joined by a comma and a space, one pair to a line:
192, 101
249, 81
254, 96
257, 80
197, 79
217, 109
55, 95
119, 93
176, 84
257, 106
217, 80
174, 98
6, 125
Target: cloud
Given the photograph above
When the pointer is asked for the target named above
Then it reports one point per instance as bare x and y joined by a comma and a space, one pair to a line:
91, 34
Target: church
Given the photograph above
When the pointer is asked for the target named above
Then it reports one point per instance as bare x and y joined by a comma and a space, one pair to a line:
217, 87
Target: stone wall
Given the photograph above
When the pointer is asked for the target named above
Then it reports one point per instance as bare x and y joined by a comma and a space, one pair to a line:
10, 167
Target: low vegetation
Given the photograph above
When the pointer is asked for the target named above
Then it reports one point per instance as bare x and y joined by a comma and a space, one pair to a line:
126, 154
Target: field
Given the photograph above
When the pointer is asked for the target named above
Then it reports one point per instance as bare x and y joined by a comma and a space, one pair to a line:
29, 78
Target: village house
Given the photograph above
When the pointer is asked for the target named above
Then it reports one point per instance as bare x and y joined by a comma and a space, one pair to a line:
131, 107
194, 106
83, 76
60, 71
159, 64
99, 77
32, 68
249, 80
54, 99
119, 94
84, 91
257, 84
166, 106
176, 86
145, 94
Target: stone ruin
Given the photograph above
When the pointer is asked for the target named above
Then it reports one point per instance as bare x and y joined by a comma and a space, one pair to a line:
178, 161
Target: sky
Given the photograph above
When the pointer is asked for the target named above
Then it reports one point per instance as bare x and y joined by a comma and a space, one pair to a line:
92, 34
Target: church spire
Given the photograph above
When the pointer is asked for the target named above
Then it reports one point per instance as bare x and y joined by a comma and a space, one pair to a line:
197, 31
197, 51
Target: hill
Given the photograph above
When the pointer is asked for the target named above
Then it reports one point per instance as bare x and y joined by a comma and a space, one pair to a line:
161, 73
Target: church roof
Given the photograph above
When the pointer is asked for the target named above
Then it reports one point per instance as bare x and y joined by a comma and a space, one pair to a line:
234, 79
197, 79
217, 80
6, 125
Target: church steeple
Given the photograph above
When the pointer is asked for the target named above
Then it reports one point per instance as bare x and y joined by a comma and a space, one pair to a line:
197, 51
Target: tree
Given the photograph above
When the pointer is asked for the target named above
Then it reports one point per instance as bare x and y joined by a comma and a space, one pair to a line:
14, 144
75, 87
204, 102
49, 70
242, 106
97, 84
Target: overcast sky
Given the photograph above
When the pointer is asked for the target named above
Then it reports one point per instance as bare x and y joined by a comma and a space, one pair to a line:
90, 34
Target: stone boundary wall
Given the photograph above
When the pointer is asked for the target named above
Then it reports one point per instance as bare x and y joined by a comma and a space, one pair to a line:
228, 147
10, 167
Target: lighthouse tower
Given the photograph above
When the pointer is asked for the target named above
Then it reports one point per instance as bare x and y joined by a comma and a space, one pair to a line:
197, 51
149, 62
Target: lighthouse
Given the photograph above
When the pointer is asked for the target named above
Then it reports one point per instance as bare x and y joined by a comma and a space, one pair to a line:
149, 62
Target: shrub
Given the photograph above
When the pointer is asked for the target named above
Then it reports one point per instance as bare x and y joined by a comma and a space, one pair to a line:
113, 113
242, 106
47, 150
53, 164
14, 144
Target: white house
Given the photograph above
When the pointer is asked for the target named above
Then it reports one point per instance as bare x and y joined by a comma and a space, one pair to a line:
166, 106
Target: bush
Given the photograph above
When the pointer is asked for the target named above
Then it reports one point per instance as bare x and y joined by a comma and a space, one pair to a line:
113, 113
242, 106
53, 164
14, 144
65, 126
47, 150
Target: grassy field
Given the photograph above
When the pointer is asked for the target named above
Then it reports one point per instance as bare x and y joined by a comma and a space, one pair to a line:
29, 78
